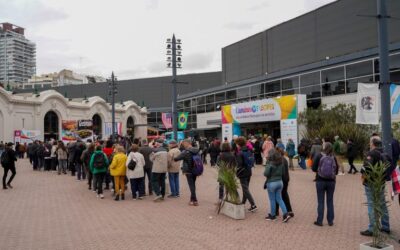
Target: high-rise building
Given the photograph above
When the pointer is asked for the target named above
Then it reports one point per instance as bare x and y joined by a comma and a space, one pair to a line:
17, 56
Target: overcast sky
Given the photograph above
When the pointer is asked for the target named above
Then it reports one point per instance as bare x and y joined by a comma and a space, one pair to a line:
128, 36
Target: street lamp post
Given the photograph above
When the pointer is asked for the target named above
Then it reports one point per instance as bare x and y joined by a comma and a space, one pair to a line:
112, 86
384, 81
174, 59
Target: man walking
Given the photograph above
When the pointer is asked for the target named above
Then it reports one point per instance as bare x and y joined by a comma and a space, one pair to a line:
146, 151
159, 157
8, 160
339, 150
374, 156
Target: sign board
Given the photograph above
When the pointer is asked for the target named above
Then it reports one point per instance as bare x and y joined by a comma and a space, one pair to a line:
27, 136
289, 130
72, 130
108, 129
227, 131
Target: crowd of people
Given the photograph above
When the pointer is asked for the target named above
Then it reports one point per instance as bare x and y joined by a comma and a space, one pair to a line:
114, 165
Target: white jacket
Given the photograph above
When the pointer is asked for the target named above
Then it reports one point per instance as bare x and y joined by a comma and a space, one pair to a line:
139, 171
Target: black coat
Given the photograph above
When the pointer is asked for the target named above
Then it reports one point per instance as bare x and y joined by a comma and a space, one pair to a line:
242, 170
351, 150
11, 158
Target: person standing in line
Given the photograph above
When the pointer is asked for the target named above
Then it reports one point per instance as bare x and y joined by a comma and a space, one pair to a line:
188, 168
108, 150
326, 167
274, 173
338, 150
374, 156
41, 154
71, 157
53, 155
316, 148
291, 152
159, 157
146, 151
226, 159
118, 171
244, 171
80, 147
34, 154
395, 150
214, 151
302, 151
136, 175
279, 144
62, 158
266, 147
257, 150
351, 155
98, 166
173, 169
285, 180
85, 159
8, 163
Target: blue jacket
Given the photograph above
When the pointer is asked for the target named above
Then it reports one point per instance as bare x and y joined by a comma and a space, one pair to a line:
290, 149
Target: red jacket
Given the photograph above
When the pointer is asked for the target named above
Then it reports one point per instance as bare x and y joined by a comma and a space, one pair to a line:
108, 152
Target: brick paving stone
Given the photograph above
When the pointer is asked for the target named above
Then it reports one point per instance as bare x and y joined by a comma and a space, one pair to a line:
48, 211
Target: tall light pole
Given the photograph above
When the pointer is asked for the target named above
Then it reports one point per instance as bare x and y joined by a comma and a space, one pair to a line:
174, 59
384, 81
112, 90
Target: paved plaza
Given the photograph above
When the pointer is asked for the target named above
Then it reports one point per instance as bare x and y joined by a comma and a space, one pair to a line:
47, 211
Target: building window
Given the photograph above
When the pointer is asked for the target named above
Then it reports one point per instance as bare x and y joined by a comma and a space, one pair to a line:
290, 92
257, 90
334, 88
273, 86
201, 109
179, 105
194, 102
312, 92
231, 95
210, 107
359, 69
331, 75
201, 100
394, 62
220, 97
186, 104
310, 79
351, 85
290, 83
243, 92
272, 94
210, 99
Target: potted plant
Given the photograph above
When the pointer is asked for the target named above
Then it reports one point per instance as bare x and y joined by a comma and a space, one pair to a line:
375, 178
230, 205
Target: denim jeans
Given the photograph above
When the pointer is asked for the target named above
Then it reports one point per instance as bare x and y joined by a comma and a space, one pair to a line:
62, 166
245, 182
147, 172
174, 183
80, 171
328, 188
302, 162
158, 183
385, 216
191, 179
137, 187
275, 196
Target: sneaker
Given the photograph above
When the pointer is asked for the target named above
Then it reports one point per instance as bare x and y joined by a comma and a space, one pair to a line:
253, 208
101, 196
318, 224
171, 196
286, 217
191, 203
270, 217
330, 224
195, 203
97, 196
9, 185
366, 233
158, 198
341, 174
134, 198
385, 231
291, 214
140, 198
94, 190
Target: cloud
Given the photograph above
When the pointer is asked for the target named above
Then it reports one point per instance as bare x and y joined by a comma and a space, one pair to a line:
29, 12
157, 67
152, 4
310, 5
259, 6
239, 26
197, 61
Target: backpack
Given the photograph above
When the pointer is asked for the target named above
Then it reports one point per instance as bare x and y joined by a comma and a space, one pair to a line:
386, 159
197, 165
327, 167
98, 161
248, 159
4, 158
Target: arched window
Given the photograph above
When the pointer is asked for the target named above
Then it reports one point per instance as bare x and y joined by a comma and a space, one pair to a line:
97, 126
130, 127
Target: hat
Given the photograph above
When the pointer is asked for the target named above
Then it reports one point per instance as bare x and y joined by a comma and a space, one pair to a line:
10, 144
172, 142
160, 141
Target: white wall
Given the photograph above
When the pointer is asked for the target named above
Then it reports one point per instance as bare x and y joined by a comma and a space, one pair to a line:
203, 118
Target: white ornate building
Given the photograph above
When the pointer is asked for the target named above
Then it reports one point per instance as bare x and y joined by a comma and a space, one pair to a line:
45, 112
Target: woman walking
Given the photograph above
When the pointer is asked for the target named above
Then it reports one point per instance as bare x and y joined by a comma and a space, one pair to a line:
135, 172
326, 167
285, 180
274, 172
62, 157
118, 170
266, 147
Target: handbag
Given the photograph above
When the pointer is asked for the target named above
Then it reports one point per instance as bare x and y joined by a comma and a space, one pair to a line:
132, 165
396, 181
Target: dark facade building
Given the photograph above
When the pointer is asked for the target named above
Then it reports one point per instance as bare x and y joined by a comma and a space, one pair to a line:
322, 54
